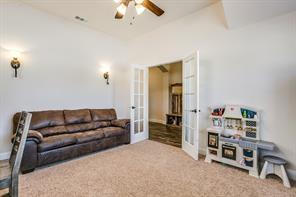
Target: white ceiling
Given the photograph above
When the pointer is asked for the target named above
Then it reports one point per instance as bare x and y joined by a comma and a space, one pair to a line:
100, 14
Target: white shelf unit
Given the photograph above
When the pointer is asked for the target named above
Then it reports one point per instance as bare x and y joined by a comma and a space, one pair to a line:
232, 137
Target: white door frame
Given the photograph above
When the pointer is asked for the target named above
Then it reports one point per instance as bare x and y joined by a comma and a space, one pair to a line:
146, 101
147, 95
137, 137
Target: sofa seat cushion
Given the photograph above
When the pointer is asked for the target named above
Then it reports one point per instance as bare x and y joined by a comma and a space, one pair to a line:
49, 131
113, 131
89, 136
56, 141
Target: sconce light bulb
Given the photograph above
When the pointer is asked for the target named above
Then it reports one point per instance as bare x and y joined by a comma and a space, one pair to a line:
15, 54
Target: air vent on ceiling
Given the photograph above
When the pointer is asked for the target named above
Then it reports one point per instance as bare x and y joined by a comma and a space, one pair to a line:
80, 19
163, 69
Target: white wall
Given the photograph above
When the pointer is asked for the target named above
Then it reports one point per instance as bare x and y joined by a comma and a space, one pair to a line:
175, 73
60, 65
121, 95
158, 95
254, 65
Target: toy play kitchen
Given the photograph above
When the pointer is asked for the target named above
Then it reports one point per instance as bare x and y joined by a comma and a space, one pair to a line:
234, 137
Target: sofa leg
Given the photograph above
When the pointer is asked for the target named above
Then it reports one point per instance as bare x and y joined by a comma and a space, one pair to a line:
27, 171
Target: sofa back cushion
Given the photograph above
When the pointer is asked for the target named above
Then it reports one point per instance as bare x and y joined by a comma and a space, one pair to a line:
42, 119
103, 114
54, 122
77, 116
73, 128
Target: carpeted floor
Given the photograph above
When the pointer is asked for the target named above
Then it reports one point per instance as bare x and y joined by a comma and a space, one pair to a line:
145, 169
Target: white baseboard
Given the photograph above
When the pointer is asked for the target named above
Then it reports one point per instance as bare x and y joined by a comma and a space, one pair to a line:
292, 174
202, 151
4, 156
157, 121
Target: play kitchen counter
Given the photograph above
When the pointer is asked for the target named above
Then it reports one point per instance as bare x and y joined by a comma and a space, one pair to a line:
234, 139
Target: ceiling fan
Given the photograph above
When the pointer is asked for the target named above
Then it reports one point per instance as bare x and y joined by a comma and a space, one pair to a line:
140, 5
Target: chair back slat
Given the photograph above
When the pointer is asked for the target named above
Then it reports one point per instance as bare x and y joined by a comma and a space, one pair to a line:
19, 142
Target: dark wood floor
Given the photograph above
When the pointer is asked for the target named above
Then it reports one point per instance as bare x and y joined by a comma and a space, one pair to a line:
170, 135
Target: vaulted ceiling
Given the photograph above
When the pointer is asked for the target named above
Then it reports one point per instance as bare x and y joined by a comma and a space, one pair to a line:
99, 14
243, 12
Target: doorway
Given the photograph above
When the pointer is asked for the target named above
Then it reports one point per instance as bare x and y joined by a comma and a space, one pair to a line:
165, 103
190, 104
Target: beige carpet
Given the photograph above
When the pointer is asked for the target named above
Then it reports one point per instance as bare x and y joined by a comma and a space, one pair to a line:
145, 169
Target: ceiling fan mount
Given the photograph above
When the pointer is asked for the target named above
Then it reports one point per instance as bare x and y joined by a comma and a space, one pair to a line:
140, 5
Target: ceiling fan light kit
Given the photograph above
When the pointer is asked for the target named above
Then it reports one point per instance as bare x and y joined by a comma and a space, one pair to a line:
140, 9
140, 5
121, 9
139, 1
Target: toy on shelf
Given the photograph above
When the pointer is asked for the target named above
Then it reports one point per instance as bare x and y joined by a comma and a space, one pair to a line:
233, 137
218, 111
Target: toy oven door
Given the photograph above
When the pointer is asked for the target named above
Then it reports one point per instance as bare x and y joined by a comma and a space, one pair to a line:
213, 140
229, 151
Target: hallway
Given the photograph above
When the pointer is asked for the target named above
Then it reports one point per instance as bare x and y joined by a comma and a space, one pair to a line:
170, 135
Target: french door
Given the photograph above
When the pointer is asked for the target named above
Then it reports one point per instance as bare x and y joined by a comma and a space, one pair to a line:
139, 104
190, 131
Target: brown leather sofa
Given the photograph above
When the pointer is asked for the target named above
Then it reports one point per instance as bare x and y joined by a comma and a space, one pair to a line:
58, 135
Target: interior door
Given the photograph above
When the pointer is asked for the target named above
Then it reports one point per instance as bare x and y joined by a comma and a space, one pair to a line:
139, 104
190, 131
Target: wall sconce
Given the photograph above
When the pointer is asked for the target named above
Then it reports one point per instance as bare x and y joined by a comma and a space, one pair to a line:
15, 63
105, 70
106, 76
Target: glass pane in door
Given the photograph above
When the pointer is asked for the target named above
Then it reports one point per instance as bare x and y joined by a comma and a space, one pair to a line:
141, 126
136, 87
189, 102
136, 127
136, 74
138, 100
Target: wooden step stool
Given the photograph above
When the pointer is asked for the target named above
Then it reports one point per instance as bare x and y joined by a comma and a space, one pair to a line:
275, 165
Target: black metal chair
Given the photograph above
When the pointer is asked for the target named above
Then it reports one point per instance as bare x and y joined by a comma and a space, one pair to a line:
9, 170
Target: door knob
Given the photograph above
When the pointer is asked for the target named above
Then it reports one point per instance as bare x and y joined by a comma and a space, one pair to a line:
133, 107
194, 110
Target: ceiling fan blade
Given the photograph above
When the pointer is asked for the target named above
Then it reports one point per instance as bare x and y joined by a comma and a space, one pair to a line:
118, 15
152, 7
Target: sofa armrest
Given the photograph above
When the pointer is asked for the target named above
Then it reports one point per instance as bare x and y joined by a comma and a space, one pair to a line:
29, 160
33, 135
124, 123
